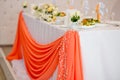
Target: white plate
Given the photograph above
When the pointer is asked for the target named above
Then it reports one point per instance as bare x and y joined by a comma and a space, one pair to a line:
101, 24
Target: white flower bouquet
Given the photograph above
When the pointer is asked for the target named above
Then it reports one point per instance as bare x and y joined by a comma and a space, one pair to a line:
47, 12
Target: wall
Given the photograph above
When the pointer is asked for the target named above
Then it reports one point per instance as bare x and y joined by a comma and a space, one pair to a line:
9, 10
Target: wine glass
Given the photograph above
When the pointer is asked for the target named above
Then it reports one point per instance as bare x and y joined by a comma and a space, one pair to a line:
112, 15
106, 15
70, 4
85, 9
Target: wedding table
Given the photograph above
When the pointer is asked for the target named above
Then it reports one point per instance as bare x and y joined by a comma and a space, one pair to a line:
100, 48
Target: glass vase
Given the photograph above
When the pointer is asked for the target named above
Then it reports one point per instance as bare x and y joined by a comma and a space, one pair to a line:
74, 25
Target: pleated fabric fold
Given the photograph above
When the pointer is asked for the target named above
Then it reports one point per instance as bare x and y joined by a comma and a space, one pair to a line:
41, 60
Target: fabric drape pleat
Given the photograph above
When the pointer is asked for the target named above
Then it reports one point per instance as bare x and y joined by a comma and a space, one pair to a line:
41, 60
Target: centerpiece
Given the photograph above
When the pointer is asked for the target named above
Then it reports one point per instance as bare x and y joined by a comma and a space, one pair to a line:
88, 23
47, 12
74, 17
25, 6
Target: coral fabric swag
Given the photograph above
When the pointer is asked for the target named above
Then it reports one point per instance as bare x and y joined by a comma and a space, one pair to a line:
41, 60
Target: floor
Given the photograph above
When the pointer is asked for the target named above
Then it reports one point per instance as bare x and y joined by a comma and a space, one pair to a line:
6, 50
2, 75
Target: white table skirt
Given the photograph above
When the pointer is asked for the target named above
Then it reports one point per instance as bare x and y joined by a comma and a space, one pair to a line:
100, 49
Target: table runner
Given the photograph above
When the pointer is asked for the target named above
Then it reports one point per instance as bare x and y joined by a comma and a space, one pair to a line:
42, 60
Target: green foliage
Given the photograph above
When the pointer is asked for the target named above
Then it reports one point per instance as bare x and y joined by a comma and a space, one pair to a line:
25, 6
75, 18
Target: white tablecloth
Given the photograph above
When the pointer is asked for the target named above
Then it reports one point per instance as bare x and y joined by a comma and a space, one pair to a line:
100, 49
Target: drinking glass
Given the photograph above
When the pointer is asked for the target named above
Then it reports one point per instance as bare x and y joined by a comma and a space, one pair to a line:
112, 16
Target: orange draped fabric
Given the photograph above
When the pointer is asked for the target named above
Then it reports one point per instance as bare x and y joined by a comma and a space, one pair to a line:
41, 60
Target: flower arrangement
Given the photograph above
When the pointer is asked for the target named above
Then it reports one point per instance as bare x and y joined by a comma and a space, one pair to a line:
89, 21
75, 16
25, 4
47, 12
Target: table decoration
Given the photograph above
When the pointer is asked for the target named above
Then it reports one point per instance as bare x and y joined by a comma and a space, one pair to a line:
75, 17
88, 23
72, 15
25, 6
47, 12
